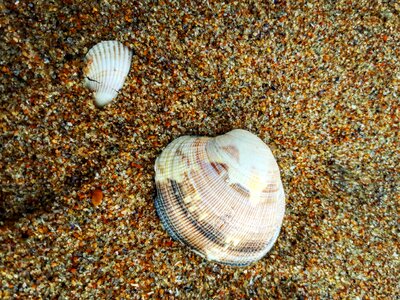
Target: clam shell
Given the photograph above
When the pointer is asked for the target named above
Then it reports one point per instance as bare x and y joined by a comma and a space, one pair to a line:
222, 196
107, 65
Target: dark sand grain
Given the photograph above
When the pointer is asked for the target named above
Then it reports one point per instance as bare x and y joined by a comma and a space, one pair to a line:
317, 81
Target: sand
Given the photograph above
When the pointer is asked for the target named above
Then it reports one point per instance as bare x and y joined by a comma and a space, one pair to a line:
317, 81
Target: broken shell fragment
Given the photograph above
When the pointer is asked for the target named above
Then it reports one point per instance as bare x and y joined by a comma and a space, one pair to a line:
222, 196
107, 66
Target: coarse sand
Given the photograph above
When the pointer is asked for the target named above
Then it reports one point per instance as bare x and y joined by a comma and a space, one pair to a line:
318, 81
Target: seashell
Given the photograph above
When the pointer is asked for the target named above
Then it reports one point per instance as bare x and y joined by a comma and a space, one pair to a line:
107, 65
222, 196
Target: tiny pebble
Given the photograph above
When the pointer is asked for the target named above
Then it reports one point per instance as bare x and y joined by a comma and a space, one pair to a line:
97, 197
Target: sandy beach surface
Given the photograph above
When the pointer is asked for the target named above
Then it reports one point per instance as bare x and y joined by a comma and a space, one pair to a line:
318, 81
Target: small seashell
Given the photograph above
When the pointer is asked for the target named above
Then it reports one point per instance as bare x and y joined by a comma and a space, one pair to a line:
222, 196
107, 66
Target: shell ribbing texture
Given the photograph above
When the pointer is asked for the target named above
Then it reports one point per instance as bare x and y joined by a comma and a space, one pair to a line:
223, 196
108, 64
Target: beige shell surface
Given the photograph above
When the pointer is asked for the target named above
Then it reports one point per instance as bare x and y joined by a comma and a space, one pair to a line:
107, 66
222, 196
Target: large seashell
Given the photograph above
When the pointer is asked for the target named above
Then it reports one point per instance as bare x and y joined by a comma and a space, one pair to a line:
222, 196
107, 65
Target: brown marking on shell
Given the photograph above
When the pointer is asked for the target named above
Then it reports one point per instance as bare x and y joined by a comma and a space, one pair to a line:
184, 157
271, 188
212, 233
232, 151
240, 190
248, 247
219, 167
